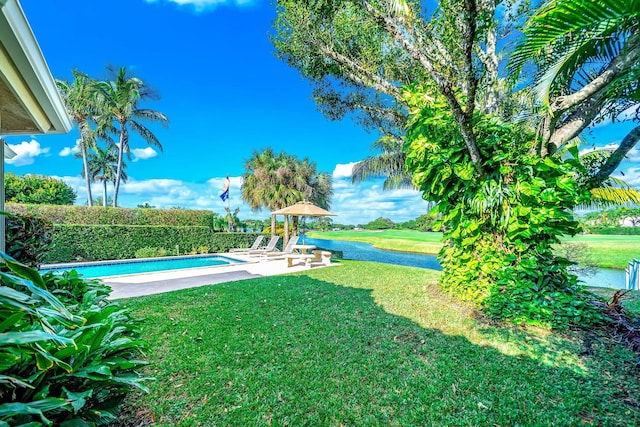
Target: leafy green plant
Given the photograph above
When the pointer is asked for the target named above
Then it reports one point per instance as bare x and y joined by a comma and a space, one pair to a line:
68, 355
38, 189
100, 242
99, 215
150, 252
28, 238
499, 231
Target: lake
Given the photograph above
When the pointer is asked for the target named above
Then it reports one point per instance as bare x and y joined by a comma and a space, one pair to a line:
604, 277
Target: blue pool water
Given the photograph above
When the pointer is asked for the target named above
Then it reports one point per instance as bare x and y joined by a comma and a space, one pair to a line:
604, 277
145, 266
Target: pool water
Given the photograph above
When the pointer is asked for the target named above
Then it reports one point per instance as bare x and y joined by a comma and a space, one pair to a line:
117, 268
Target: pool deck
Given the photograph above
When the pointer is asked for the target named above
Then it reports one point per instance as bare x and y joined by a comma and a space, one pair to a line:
134, 285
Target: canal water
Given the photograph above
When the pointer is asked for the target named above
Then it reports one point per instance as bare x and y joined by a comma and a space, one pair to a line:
604, 277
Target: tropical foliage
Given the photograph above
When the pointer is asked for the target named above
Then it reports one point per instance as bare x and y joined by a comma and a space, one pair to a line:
68, 355
103, 167
504, 191
82, 106
28, 238
121, 98
37, 189
102, 109
274, 181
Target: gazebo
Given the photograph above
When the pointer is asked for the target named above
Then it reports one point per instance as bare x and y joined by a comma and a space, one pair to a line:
303, 208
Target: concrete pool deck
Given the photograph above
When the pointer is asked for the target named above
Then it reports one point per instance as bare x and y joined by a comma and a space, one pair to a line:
134, 285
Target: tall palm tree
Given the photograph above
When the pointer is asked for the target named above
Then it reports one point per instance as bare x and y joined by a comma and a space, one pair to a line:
103, 167
79, 98
120, 98
274, 181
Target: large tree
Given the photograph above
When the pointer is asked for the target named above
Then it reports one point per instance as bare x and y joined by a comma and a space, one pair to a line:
80, 101
504, 191
274, 181
120, 98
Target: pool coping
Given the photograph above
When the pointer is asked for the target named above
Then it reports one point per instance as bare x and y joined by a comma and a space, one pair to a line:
134, 260
134, 285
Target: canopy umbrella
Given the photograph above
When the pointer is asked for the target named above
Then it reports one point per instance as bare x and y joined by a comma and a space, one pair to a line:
303, 208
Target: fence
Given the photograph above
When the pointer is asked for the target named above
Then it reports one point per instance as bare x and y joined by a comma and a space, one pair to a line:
633, 275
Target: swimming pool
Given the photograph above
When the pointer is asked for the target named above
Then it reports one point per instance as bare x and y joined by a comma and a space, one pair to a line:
118, 268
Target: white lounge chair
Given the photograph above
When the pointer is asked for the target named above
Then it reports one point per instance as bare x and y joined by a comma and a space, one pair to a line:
271, 246
253, 247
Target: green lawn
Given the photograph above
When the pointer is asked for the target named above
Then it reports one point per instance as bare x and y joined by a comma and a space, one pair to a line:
366, 344
607, 251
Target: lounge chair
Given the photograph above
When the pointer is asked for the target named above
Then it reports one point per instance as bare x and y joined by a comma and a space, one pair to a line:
253, 247
271, 246
286, 250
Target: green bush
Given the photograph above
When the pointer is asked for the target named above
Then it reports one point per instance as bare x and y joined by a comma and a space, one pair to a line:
28, 238
627, 231
99, 242
99, 215
150, 252
68, 355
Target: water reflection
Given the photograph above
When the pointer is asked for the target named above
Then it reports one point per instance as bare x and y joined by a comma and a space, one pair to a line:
604, 277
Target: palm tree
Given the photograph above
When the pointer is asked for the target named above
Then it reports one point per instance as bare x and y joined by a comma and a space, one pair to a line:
80, 101
103, 167
391, 164
120, 98
274, 181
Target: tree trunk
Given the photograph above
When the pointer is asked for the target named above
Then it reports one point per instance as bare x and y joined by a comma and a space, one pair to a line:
286, 231
124, 140
273, 225
104, 193
85, 165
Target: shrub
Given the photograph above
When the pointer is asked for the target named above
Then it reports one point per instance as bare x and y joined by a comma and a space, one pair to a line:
150, 252
28, 238
628, 231
100, 215
67, 355
98, 242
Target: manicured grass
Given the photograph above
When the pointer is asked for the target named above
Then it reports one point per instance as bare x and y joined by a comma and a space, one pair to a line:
607, 251
611, 251
393, 240
366, 344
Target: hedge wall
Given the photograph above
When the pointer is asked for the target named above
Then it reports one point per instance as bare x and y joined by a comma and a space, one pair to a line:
99, 242
99, 215
633, 231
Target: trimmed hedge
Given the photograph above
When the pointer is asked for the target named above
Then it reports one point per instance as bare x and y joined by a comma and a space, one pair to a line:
106, 242
99, 215
625, 231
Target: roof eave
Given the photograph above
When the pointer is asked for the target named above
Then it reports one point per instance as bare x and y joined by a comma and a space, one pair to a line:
27, 73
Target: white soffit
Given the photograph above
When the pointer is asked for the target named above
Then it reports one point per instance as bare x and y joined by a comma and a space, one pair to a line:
29, 99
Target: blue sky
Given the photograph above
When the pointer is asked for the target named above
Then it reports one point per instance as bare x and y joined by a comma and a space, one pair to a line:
226, 95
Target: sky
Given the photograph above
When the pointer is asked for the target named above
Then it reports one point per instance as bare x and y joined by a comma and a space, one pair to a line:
226, 95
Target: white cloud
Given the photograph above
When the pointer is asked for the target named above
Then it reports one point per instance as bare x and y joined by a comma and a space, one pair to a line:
343, 170
612, 146
353, 204
26, 152
69, 151
143, 153
202, 5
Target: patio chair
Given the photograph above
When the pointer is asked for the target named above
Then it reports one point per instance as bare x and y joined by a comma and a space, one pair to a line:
286, 250
253, 247
271, 246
